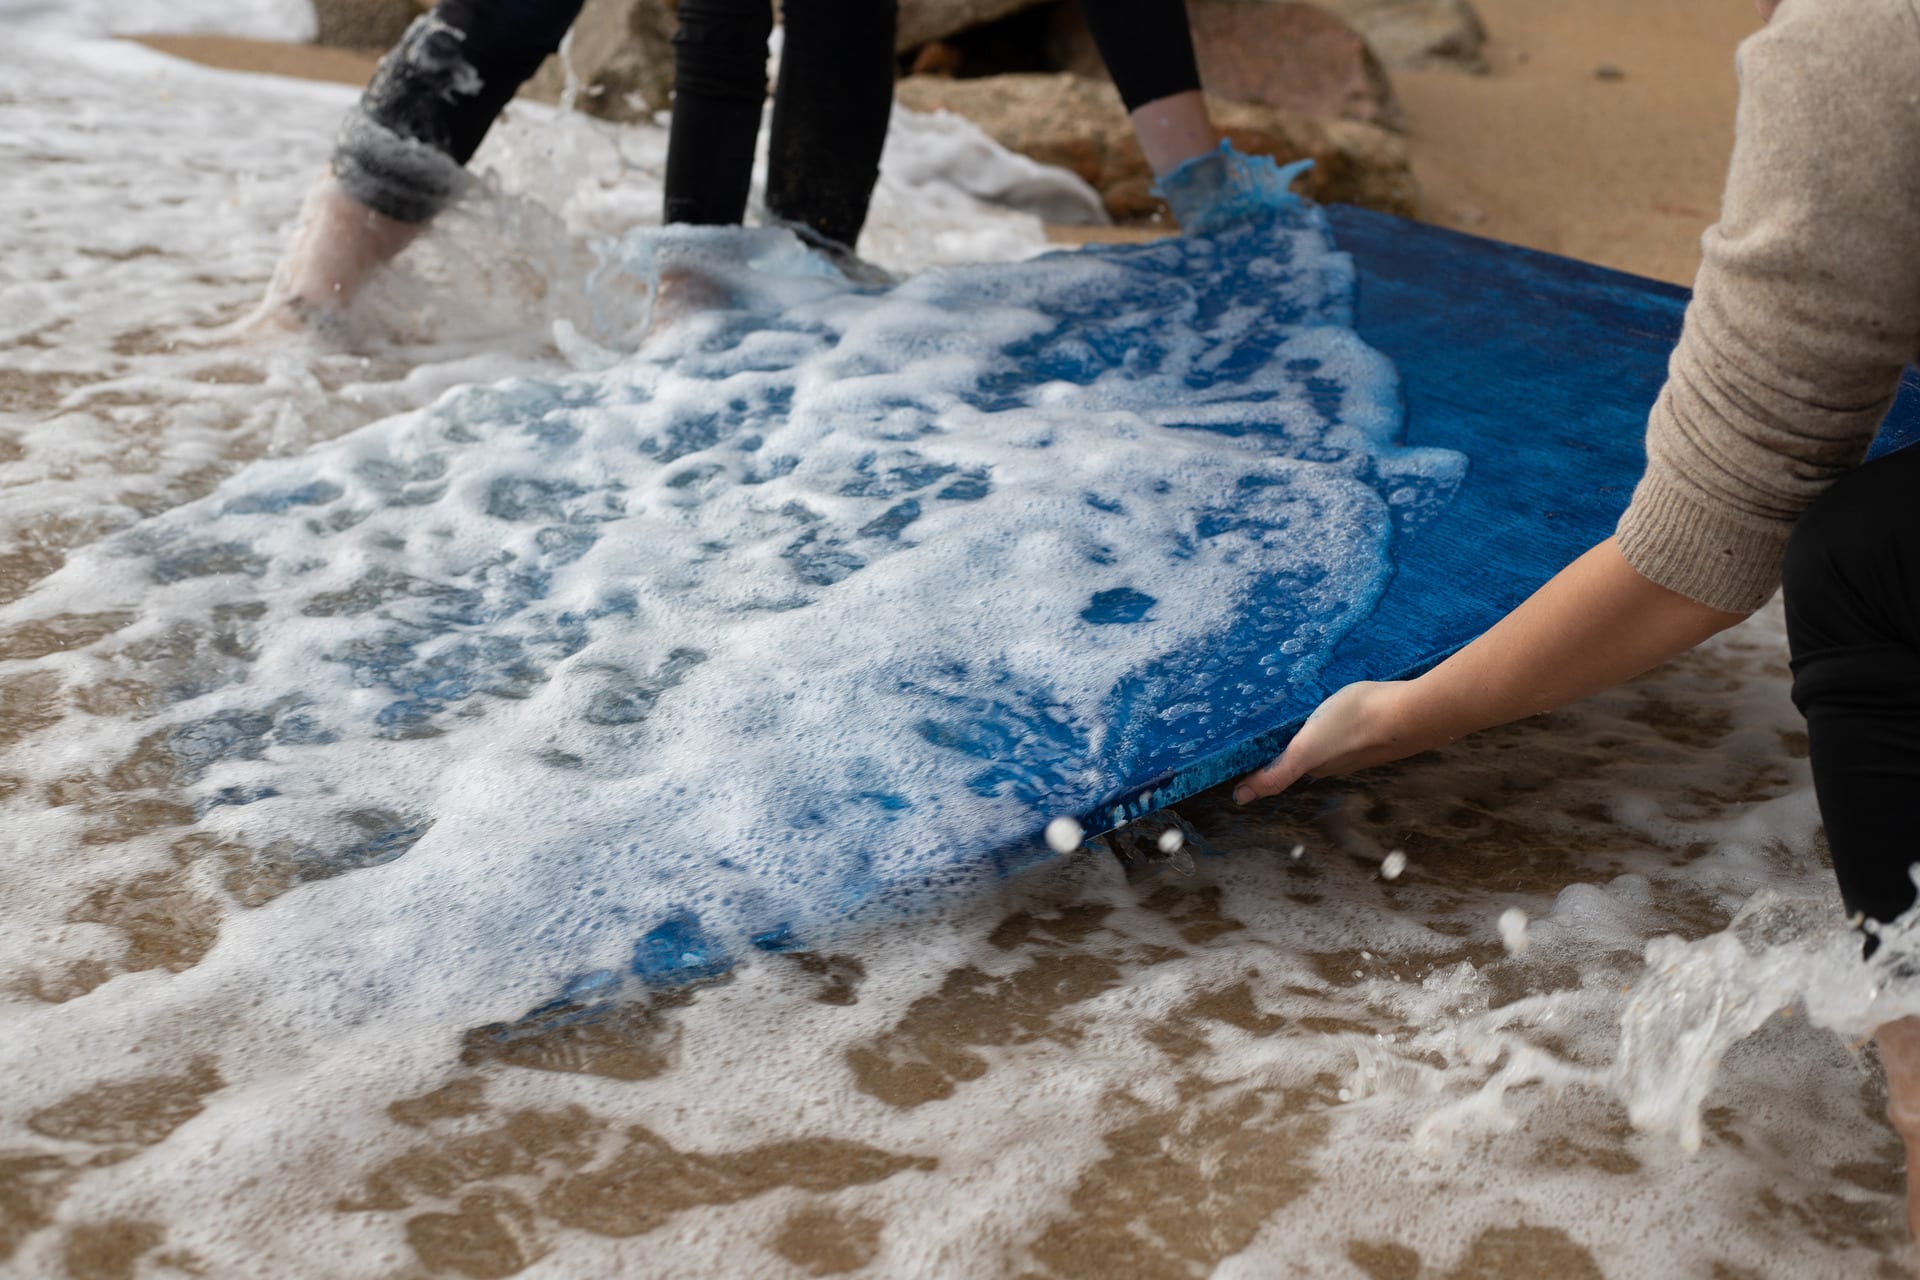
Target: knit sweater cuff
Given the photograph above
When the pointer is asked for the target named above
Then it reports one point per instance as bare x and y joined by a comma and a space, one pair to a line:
1714, 557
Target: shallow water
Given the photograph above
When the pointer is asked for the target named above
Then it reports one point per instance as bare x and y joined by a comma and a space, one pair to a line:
1283, 1063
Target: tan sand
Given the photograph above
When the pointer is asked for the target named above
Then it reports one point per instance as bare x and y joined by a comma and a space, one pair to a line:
272, 57
1602, 131
1552, 151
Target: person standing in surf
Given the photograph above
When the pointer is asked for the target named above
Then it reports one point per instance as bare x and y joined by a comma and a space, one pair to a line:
401, 152
1805, 312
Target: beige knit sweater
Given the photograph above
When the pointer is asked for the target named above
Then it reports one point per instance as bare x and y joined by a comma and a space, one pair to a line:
1806, 308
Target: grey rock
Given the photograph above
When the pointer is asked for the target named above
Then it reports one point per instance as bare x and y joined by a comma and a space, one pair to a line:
1418, 34
621, 52
1277, 53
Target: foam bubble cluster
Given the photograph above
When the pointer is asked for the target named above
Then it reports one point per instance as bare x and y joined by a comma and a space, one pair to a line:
825, 600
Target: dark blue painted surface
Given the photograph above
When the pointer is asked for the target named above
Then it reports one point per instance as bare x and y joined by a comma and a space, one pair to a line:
1539, 369
1542, 371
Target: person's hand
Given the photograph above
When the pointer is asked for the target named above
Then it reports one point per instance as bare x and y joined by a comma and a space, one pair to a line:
1353, 729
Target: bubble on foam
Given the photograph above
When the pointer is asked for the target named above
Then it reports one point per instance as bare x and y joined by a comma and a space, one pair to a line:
1064, 835
1513, 930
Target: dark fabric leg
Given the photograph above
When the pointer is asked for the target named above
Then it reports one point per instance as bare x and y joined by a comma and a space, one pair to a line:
720, 86
436, 94
830, 114
1147, 46
1852, 576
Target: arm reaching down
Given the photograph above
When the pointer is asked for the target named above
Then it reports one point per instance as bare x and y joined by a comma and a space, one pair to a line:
1597, 623
1806, 309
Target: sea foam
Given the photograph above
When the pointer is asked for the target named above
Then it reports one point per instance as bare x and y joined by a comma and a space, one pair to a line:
823, 603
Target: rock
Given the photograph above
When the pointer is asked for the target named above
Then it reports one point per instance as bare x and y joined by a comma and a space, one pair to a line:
622, 53
1353, 162
922, 21
362, 24
1418, 35
621, 50
1078, 123
936, 59
1272, 52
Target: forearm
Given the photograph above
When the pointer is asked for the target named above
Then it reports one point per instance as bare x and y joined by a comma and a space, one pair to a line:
1595, 624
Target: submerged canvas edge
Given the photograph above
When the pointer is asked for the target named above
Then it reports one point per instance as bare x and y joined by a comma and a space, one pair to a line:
1221, 766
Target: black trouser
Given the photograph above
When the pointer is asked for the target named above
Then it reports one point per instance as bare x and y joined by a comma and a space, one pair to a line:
1852, 577
440, 89
1147, 46
437, 93
829, 111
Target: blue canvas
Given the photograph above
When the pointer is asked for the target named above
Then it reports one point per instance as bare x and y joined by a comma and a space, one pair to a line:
1543, 370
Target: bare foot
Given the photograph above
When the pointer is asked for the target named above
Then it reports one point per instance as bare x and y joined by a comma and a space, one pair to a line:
1900, 1054
685, 291
337, 247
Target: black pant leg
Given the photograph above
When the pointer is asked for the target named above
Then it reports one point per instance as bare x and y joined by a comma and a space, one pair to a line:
830, 114
1852, 576
720, 86
436, 94
1147, 46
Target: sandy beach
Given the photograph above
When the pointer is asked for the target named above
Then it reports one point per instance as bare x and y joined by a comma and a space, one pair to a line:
1602, 132
231, 1055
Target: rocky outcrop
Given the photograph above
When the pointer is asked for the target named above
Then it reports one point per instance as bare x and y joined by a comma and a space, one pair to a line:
1418, 34
1273, 53
1078, 123
621, 52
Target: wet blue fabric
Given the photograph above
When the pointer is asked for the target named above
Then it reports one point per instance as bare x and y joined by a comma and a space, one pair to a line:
1542, 370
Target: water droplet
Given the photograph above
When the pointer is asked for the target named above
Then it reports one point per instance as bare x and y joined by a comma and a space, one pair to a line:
1064, 835
1513, 930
